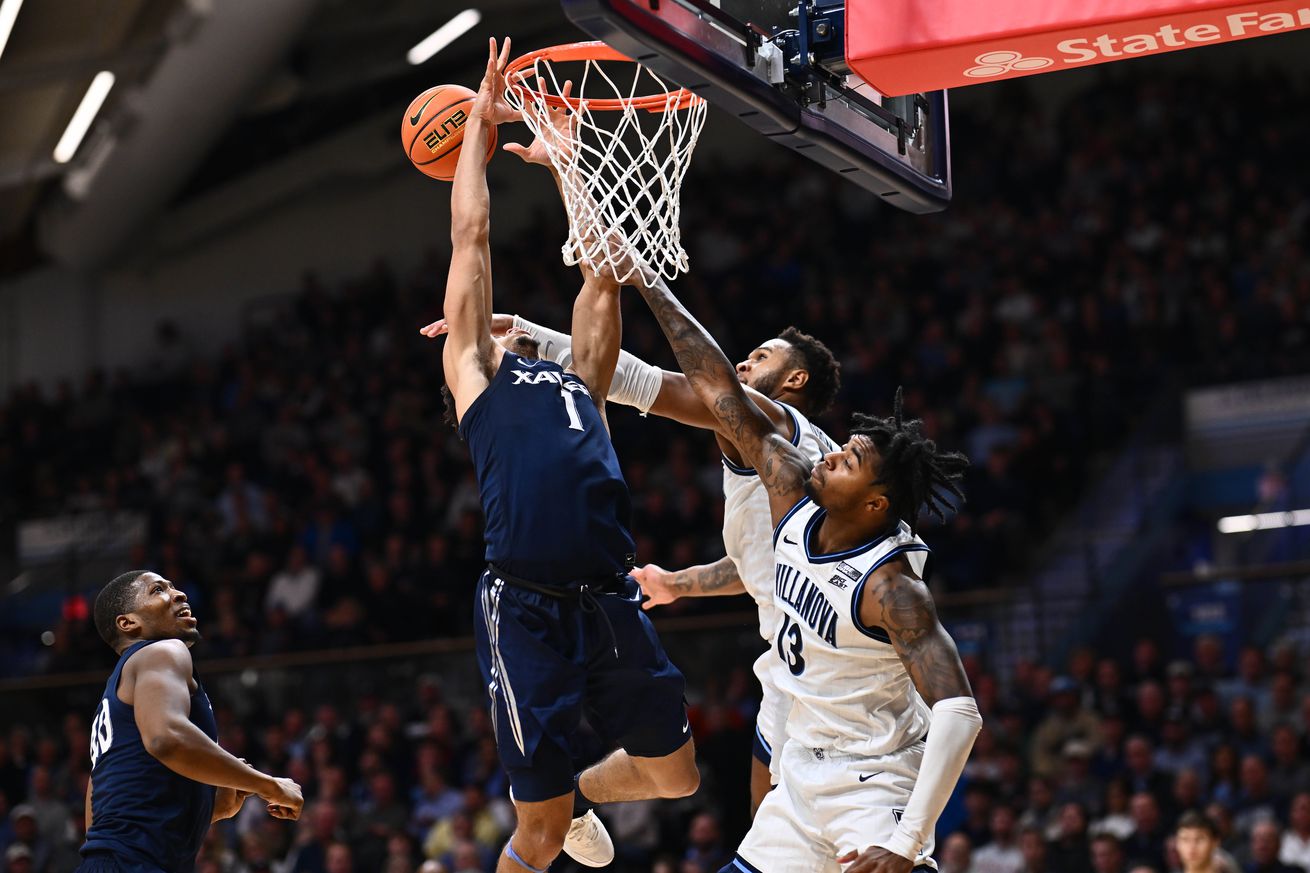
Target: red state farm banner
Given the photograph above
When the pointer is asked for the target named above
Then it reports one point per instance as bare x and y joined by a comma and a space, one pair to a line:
903, 46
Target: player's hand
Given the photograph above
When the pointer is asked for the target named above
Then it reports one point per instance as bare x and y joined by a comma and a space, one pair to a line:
876, 860
286, 800
490, 104
227, 802
658, 584
557, 138
500, 325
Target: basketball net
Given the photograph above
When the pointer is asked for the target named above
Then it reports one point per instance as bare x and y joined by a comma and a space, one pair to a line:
621, 159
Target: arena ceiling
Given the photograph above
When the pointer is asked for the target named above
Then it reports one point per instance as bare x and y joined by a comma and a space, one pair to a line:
334, 59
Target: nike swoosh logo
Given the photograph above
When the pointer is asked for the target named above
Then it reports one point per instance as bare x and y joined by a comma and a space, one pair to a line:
686, 725
867, 776
789, 540
413, 119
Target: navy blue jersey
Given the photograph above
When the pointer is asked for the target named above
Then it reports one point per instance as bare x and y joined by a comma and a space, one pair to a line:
556, 505
141, 811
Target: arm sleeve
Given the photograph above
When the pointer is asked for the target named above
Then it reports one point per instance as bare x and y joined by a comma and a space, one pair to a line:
636, 383
955, 724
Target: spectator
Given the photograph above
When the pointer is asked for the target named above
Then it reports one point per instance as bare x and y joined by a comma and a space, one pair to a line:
1178, 751
1002, 854
27, 835
432, 800
1117, 821
1077, 785
1067, 720
1036, 858
1041, 812
1107, 855
1146, 844
1295, 850
18, 859
340, 859
1142, 773
705, 843
294, 588
1070, 851
319, 829
51, 814
1290, 774
1255, 802
956, 855
1265, 840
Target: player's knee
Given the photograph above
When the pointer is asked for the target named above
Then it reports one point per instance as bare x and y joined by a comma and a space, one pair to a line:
539, 845
682, 782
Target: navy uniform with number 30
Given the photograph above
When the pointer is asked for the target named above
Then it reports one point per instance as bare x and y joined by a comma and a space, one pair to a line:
559, 625
145, 818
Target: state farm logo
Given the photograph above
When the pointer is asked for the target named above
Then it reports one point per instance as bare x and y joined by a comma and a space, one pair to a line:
1002, 62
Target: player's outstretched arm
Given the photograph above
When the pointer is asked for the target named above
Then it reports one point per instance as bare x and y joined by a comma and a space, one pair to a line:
636, 383
782, 467
470, 357
161, 699
661, 586
597, 328
899, 602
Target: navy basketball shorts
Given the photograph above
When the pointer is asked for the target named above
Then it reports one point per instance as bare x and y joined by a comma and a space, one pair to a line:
546, 662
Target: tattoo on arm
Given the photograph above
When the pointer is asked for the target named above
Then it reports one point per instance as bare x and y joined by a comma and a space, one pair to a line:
902, 606
721, 577
781, 465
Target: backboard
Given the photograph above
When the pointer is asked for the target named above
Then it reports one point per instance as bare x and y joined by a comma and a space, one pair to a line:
780, 68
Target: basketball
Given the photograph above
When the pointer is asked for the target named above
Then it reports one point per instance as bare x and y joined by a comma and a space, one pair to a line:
433, 130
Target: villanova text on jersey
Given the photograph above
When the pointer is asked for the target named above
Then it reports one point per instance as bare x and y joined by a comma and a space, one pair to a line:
557, 507
799, 592
141, 811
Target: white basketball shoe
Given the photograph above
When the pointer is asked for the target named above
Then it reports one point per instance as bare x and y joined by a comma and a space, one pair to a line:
587, 841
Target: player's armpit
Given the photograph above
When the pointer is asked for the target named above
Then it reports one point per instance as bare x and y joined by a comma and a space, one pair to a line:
900, 603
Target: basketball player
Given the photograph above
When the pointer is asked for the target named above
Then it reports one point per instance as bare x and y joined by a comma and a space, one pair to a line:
560, 631
791, 378
158, 778
869, 667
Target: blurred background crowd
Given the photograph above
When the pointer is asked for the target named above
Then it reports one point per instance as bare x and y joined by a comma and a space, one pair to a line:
303, 491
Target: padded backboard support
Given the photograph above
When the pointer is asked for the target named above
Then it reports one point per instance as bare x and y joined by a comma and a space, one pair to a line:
779, 81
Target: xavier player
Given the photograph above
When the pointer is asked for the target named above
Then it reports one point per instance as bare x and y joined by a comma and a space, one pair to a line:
560, 629
158, 778
791, 378
869, 666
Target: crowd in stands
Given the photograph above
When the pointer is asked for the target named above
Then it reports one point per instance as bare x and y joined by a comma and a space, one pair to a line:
1087, 771
301, 488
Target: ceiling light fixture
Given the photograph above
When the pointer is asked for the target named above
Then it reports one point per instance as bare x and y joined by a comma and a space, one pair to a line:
1264, 521
82, 118
8, 15
444, 36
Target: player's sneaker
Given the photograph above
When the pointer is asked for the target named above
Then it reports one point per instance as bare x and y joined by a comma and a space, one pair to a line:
588, 842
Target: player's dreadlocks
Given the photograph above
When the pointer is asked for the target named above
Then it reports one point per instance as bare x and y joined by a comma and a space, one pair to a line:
917, 474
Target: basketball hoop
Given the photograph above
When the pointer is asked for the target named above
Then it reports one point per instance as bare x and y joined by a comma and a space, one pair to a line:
623, 167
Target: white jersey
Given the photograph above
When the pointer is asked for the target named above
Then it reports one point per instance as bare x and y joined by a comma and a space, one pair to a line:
748, 525
851, 694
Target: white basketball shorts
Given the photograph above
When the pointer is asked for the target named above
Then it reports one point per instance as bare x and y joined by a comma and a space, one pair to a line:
827, 805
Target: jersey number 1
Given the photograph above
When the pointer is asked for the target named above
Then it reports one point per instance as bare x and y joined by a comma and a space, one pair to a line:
575, 420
